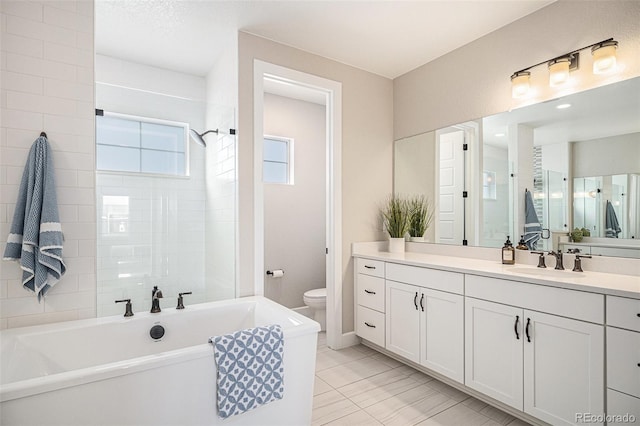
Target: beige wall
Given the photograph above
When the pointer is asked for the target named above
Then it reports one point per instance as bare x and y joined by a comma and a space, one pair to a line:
602, 157
367, 135
294, 215
473, 81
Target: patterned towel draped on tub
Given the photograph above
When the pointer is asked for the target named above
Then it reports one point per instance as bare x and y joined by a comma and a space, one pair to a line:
35, 239
250, 369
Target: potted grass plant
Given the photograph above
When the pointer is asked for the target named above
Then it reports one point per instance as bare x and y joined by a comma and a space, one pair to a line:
395, 215
420, 217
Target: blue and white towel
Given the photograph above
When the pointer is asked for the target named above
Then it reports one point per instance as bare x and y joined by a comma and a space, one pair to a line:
250, 369
611, 225
35, 239
532, 227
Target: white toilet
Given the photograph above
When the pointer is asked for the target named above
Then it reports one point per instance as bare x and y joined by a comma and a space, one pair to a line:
316, 300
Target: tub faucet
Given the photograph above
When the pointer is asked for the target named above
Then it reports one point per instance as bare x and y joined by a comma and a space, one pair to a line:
156, 295
558, 257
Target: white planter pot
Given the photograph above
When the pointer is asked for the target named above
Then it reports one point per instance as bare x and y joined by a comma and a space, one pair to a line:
417, 239
396, 245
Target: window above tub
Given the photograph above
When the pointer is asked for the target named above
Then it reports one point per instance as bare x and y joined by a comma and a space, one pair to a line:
132, 144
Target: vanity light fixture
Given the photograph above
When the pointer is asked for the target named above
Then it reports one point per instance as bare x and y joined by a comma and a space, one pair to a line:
563, 106
604, 61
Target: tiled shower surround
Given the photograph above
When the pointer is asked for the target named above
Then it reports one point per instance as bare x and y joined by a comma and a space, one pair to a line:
150, 232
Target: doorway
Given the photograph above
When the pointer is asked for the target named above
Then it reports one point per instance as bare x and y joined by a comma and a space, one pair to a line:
331, 91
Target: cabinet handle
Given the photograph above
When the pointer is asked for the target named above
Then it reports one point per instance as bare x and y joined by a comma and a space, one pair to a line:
415, 300
526, 330
369, 267
369, 325
639, 315
515, 327
422, 302
369, 291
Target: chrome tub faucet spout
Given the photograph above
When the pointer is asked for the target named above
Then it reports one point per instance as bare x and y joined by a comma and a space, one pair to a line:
156, 295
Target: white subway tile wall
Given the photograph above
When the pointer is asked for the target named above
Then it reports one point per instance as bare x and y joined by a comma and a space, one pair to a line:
46, 76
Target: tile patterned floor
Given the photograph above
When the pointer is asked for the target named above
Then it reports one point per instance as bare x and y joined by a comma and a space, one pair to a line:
359, 386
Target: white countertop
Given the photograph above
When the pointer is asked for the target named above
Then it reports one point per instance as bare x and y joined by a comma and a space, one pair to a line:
594, 282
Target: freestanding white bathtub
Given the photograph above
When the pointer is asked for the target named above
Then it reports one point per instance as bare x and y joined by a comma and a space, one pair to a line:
109, 371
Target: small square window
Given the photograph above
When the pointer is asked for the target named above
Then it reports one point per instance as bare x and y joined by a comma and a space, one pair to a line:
277, 155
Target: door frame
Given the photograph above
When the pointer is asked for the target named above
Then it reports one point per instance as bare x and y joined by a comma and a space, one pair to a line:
332, 90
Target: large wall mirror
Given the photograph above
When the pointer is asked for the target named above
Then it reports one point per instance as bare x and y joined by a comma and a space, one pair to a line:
578, 155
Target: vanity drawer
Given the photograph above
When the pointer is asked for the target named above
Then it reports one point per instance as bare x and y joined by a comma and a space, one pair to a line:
623, 361
620, 404
370, 325
451, 282
370, 292
370, 267
623, 312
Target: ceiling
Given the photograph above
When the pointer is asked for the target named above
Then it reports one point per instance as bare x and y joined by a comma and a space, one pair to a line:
385, 37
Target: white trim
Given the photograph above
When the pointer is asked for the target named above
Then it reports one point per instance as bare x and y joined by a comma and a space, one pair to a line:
50, 227
333, 93
14, 239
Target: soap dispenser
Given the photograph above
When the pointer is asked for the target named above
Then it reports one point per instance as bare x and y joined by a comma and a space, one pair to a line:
508, 253
521, 244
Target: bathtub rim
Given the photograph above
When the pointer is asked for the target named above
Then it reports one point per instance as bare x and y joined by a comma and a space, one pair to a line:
301, 325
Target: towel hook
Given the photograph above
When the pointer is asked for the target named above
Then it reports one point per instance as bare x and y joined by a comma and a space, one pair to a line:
43, 134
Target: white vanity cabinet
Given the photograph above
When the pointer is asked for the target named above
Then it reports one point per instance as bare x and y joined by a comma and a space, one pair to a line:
623, 359
424, 324
521, 349
370, 305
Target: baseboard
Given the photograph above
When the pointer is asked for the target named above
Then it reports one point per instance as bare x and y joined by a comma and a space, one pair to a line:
348, 339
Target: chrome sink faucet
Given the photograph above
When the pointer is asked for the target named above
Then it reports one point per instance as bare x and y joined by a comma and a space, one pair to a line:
558, 257
156, 295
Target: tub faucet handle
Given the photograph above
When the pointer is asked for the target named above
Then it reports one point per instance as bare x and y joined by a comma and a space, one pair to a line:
180, 300
128, 311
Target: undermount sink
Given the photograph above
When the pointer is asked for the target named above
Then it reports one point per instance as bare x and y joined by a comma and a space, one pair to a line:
547, 272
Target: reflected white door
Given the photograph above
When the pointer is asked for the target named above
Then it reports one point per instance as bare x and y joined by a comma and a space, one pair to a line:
450, 206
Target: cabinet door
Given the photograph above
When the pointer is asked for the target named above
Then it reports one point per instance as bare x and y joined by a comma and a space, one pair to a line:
563, 368
402, 320
442, 333
493, 350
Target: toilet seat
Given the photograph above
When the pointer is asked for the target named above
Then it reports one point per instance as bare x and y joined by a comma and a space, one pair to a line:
316, 293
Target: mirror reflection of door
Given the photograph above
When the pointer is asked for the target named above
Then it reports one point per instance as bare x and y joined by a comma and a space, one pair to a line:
450, 221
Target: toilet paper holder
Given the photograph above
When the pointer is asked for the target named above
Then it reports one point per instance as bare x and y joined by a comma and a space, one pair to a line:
276, 273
